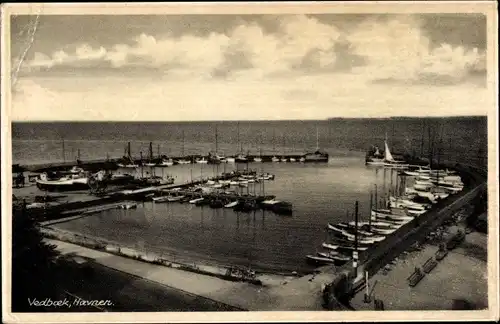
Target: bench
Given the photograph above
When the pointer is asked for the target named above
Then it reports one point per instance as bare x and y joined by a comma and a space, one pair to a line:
429, 265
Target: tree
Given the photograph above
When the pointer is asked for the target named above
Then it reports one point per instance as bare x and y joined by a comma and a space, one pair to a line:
33, 262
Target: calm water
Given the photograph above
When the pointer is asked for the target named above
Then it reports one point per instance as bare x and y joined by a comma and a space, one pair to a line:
320, 193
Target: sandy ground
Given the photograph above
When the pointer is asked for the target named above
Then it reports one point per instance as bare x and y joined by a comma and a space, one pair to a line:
277, 293
460, 276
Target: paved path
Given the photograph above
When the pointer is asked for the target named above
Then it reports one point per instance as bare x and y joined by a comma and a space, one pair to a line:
302, 293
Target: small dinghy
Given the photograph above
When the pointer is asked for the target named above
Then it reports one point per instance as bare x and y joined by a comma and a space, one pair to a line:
231, 204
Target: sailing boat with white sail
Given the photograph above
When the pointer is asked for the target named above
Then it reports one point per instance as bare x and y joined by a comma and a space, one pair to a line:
389, 160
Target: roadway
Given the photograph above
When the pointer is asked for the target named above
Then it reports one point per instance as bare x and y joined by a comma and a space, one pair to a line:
126, 292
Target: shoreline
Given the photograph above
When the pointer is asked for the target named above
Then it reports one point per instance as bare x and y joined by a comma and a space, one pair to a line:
260, 277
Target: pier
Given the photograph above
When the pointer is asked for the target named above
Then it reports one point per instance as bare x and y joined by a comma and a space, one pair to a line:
112, 163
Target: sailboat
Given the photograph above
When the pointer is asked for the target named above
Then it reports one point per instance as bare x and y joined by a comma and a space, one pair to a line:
259, 158
150, 163
389, 160
376, 158
202, 161
183, 160
131, 163
216, 158
317, 155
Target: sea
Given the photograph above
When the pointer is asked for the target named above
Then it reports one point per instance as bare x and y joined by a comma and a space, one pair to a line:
320, 193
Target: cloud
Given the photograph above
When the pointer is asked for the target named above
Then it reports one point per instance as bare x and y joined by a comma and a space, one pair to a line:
392, 49
397, 50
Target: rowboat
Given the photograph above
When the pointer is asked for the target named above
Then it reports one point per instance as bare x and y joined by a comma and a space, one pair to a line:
194, 201
231, 204
319, 260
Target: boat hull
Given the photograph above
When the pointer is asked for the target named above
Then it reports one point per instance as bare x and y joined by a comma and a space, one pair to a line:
55, 186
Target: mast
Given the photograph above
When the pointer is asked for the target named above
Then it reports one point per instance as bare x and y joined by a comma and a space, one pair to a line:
129, 153
376, 201
238, 138
150, 151
158, 150
182, 143
317, 139
274, 140
422, 139
430, 144
216, 143
63, 151
370, 214
355, 253
78, 155
142, 167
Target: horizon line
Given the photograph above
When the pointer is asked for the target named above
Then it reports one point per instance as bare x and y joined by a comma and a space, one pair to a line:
246, 120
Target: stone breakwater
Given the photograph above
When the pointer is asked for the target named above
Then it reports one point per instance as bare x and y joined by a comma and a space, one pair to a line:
231, 274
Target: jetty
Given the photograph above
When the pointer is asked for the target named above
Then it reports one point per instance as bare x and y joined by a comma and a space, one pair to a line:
112, 163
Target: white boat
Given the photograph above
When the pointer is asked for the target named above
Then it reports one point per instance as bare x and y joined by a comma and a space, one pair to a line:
378, 224
319, 260
202, 161
230, 160
394, 218
127, 166
283, 160
234, 183
293, 160
275, 159
67, 183
167, 163
160, 199
424, 183
422, 187
336, 229
257, 159
183, 161
348, 227
365, 239
194, 201
302, 159
330, 246
174, 198
231, 204
389, 160
329, 255
149, 164
405, 203
362, 240
382, 231
270, 202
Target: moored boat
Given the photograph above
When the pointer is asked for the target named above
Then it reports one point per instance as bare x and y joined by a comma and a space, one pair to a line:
66, 183
319, 260
231, 204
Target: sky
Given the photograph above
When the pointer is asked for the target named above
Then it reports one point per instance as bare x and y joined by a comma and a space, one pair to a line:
249, 67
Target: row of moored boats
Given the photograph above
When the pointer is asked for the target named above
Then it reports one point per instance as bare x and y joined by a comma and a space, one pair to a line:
429, 187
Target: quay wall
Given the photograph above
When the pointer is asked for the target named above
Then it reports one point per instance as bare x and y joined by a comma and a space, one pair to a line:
140, 255
112, 162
